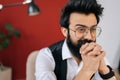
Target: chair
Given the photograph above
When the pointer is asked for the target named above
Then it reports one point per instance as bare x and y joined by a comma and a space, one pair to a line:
30, 65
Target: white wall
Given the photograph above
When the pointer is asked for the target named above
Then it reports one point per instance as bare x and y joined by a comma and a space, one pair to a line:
110, 36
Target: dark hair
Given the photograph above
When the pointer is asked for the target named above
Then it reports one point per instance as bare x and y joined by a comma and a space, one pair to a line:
81, 6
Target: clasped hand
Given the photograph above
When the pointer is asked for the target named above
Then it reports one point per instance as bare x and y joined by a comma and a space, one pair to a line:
93, 58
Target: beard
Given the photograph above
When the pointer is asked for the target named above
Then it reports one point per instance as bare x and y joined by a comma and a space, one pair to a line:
74, 48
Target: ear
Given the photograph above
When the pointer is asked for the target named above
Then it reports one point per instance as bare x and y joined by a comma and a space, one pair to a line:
64, 31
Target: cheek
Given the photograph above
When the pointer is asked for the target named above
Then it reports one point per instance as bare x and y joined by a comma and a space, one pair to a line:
76, 37
73, 38
94, 39
72, 35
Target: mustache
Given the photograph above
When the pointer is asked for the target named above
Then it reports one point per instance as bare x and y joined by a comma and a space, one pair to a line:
82, 42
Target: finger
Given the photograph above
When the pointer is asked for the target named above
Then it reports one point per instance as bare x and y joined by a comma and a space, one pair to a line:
83, 47
93, 53
101, 56
97, 50
103, 52
89, 48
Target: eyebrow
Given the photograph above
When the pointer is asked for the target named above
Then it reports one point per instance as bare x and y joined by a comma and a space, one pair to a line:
85, 25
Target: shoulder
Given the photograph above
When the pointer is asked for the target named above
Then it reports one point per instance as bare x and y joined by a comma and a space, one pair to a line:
45, 58
44, 53
45, 65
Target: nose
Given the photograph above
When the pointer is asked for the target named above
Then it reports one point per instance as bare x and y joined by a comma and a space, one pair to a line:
88, 35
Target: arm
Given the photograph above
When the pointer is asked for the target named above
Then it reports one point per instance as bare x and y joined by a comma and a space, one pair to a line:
105, 70
83, 75
93, 49
90, 66
90, 62
44, 67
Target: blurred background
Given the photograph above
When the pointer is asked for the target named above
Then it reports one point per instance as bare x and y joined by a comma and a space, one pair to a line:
110, 25
43, 29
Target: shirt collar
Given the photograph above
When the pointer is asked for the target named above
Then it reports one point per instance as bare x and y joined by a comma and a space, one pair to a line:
65, 51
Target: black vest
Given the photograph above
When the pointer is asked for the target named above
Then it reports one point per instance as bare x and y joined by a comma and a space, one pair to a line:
60, 65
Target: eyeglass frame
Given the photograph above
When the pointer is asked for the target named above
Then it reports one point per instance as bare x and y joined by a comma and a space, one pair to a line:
86, 30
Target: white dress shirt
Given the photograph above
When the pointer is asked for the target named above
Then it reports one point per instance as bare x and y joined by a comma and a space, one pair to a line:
45, 65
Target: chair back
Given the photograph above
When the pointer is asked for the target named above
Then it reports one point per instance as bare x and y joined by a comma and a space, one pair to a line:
30, 65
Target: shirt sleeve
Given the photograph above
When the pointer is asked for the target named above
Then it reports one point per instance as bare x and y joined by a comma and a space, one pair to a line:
44, 66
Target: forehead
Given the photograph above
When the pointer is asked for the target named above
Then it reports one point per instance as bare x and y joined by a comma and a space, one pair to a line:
83, 19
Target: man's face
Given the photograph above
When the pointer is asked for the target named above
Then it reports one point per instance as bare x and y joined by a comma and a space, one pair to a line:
76, 39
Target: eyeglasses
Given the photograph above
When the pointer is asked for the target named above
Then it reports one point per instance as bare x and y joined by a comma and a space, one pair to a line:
95, 31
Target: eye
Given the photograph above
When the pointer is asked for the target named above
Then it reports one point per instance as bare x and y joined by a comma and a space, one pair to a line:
81, 30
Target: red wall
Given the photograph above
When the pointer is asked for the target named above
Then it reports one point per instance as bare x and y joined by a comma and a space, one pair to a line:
36, 32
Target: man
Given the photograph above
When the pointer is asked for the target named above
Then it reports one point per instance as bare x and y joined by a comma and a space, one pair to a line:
81, 55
